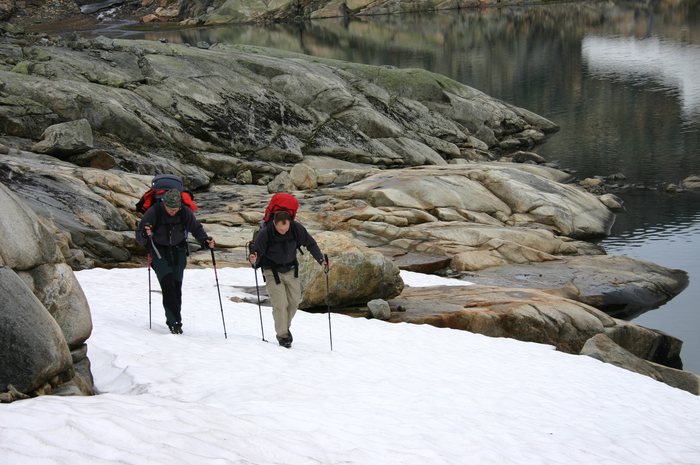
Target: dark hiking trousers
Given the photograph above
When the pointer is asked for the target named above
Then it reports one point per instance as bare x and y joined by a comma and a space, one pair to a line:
169, 270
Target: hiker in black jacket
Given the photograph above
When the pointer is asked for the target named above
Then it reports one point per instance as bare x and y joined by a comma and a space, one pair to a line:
163, 231
275, 250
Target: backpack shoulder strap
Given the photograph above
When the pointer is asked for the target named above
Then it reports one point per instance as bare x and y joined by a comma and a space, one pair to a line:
295, 234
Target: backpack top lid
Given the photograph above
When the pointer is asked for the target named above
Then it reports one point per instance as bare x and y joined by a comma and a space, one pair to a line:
160, 184
281, 201
167, 182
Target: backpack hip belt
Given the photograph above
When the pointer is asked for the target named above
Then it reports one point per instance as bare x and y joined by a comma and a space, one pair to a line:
277, 269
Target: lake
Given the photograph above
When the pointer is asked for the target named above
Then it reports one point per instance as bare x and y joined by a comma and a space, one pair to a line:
622, 81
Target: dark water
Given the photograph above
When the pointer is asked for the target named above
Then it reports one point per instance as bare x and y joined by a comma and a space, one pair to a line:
622, 81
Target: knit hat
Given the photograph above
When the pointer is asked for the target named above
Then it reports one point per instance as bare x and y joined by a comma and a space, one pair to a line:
172, 199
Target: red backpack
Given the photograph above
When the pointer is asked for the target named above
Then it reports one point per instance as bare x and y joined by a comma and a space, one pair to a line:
281, 202
161, 184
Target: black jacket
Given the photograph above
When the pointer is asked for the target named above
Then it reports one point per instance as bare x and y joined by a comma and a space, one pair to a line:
169, 231
280, 250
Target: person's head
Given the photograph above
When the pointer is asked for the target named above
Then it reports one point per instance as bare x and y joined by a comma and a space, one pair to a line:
282, 220
172, 201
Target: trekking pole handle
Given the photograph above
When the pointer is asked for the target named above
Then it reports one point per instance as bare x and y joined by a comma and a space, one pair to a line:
326, 265
155, 249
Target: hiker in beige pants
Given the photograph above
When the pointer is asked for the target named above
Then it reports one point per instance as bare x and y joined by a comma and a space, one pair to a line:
285, 298
275, 251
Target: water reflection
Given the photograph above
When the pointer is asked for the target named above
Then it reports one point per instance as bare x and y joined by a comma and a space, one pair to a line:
674, 66
666, 231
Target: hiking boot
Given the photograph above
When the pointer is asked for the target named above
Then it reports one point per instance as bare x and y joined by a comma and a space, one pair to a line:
286, 343
175, 328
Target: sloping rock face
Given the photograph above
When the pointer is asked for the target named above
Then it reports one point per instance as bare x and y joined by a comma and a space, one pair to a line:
234, 99
528, 315
620, 286
604, 349
45, 316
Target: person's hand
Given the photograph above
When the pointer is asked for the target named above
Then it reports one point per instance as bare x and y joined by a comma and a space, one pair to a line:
253, 258
210, 242
326, 266
148, 230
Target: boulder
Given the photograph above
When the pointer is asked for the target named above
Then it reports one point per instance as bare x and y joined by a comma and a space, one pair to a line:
379, 308
65, 139
525, 157
24, 242
58, 290
88, 204
281, 183
44, 311
33, 347
357, 274
303, 177
613, 202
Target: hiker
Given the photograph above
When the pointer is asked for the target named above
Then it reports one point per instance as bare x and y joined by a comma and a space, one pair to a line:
274, 249
163, 231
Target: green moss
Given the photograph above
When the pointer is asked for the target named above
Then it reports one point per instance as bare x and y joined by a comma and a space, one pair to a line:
412, 83
23, 67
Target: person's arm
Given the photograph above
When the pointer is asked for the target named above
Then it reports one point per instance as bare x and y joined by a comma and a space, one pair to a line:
259, 247
145, 224
195, 227
305, 239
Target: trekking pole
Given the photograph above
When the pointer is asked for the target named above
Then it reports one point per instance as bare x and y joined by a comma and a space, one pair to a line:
216, 275
257, 290
326, 269
155, 249
149, 291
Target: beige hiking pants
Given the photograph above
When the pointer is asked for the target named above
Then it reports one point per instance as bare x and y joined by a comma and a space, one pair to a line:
285, 298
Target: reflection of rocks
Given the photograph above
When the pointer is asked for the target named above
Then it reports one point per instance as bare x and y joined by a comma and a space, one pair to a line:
620, 286
691, 183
